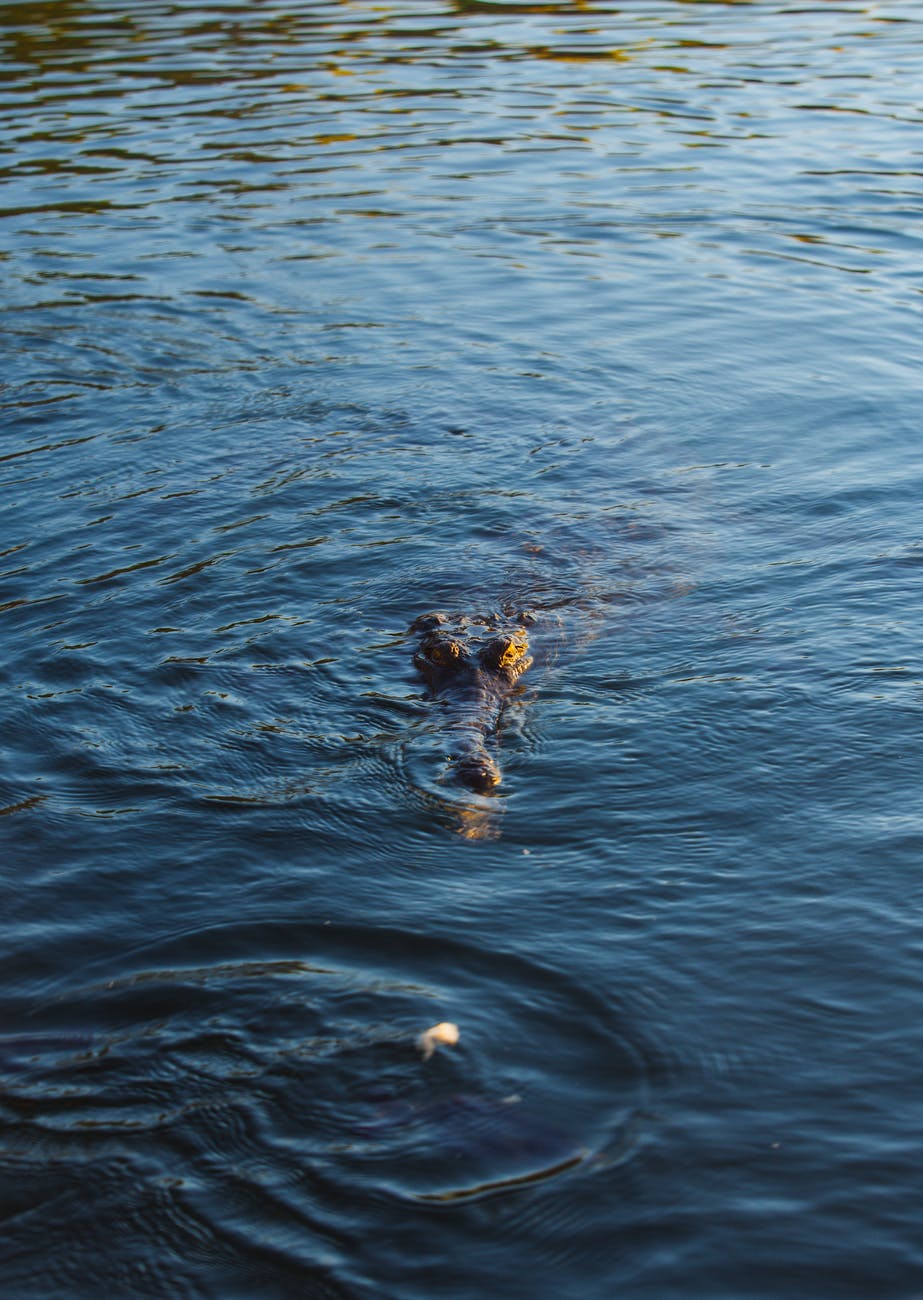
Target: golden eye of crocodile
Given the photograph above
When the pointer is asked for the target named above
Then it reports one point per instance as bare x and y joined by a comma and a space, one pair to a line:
504, 651
444, 653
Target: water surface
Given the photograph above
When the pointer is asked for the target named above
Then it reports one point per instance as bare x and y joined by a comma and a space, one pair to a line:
321, 316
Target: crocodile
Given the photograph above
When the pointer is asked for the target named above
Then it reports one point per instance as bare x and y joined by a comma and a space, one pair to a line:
473, 664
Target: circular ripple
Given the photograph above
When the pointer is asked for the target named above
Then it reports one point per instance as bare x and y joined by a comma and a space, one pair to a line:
293, 1048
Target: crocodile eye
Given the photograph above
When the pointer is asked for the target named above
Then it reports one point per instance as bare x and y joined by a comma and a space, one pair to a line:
503, 651
444, 653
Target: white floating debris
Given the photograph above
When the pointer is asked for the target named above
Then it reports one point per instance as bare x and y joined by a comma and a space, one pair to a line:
445, 1033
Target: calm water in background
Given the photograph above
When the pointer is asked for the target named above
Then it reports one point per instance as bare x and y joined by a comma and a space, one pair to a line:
317, 316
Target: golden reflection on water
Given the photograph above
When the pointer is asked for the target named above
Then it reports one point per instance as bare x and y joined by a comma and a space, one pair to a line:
86, 37
476, 821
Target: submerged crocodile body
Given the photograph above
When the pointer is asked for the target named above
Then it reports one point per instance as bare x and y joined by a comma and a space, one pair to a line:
473, 665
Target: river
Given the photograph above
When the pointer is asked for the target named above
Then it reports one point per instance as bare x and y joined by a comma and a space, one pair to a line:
598, 322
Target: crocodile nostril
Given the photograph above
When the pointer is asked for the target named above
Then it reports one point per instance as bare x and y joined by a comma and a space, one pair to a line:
478, 772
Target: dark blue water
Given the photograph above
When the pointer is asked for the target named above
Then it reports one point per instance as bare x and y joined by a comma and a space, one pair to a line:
317, 317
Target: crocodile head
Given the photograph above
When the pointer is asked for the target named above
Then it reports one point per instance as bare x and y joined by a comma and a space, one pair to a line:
472, 665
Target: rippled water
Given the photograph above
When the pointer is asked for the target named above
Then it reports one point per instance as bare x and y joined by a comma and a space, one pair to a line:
600, 321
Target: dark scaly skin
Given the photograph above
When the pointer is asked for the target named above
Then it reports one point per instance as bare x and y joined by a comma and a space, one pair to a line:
474, 668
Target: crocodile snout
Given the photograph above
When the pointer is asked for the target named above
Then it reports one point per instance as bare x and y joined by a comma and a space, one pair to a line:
478, 772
